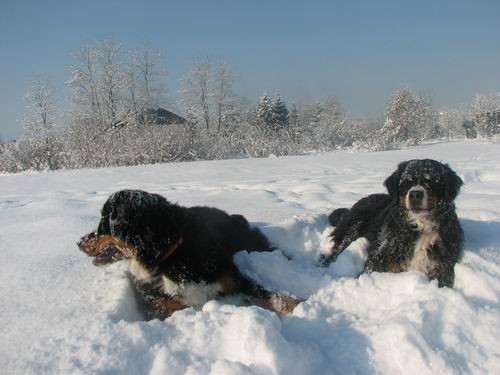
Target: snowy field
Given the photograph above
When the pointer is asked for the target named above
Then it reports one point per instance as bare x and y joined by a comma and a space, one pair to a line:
61, 315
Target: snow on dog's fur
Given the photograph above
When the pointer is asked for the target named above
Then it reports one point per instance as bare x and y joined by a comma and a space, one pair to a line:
414, 227
179, 256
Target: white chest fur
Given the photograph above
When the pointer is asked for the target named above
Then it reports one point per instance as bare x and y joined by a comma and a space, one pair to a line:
192, 294
139, 272
428, 232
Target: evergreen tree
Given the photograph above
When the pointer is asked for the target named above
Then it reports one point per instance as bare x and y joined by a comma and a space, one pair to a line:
279, 113
293, 117
401, 117
317, 113
409, 119
232, 116
264, 111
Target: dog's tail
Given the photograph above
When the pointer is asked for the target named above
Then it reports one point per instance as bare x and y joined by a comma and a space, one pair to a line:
335, 217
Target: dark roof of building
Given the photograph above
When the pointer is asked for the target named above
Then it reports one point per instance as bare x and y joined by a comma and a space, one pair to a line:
158, 116
161, 116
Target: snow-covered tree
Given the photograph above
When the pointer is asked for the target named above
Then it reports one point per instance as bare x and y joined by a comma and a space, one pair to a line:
97, 81
293, 116
144, 81
426, 123
391, 132
331, 107
279, 113
111, 80
409, 119
264, 112
294, 124
196, 90
451, 121
400, 117
9, 158
84, 82
485, 114
272, 113
232, 113
225, 103
39, 146
316, 113
324, 126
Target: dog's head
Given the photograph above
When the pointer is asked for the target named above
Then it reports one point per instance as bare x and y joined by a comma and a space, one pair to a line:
420, 185
136, 225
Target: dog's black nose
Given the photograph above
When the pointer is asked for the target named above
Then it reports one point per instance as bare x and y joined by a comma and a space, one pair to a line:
416, 195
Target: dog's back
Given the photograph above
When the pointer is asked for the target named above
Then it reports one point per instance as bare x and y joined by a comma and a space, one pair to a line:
359, 221
232, 232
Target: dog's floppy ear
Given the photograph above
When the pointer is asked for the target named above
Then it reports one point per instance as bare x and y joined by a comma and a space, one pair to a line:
392, 182
453, 183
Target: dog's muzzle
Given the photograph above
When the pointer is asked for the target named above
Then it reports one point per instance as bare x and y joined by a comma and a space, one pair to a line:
416, 199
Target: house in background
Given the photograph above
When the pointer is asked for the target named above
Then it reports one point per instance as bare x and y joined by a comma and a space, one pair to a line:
161, 116
152, 116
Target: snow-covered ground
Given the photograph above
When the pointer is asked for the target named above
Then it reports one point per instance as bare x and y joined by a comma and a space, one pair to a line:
61, 315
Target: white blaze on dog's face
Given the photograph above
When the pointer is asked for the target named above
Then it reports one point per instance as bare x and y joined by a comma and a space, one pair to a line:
417, 199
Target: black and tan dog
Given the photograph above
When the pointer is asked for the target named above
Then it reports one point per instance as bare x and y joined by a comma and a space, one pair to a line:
179, 256
414, 227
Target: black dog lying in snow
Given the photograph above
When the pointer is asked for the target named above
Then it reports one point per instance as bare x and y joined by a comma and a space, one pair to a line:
179, 256
414, 227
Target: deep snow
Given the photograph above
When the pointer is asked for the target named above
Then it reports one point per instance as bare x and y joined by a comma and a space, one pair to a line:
61, 315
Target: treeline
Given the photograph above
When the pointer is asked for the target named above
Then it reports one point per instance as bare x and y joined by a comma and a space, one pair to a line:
115, 97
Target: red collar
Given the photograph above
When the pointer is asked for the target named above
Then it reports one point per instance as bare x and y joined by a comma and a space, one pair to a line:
172, 249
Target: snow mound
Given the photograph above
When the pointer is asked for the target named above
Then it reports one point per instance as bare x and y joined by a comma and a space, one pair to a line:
294, 267
411, 326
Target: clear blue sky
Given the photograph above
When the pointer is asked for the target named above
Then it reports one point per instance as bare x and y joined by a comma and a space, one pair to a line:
360, 51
